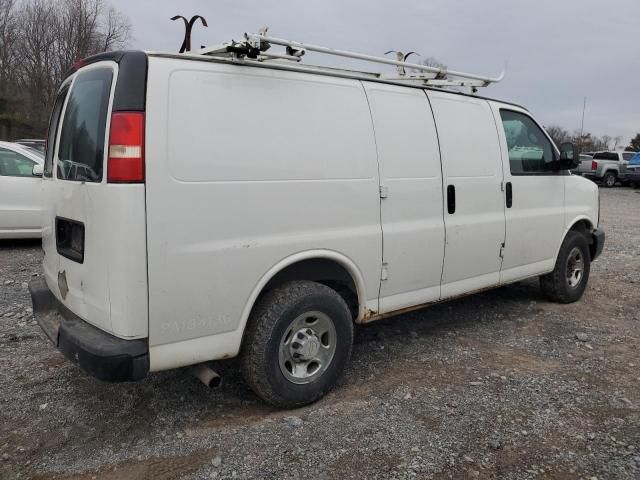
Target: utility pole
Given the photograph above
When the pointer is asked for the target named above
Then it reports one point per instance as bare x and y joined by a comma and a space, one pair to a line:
584, 107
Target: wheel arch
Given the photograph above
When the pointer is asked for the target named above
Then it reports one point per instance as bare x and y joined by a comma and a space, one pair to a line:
328, 264
583, 225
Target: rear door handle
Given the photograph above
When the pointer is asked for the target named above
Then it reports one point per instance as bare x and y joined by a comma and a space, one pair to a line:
509, 195
451, 199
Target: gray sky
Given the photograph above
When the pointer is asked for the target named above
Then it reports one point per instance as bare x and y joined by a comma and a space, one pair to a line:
558, 51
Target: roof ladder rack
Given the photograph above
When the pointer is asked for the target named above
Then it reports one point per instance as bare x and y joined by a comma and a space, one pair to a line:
255, 47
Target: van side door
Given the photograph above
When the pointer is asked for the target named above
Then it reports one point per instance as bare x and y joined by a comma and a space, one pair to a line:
474, 214
534, 196
411, 196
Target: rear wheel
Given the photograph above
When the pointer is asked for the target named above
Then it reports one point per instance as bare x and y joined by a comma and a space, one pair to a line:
569, 278
609, 179
297, 344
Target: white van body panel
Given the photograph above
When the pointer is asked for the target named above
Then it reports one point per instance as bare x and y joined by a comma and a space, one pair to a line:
411, 212
581, 202
109, 288
226, 345
219, 218
471, 162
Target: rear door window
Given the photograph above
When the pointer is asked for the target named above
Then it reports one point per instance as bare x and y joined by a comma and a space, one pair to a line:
81, 150
606, 156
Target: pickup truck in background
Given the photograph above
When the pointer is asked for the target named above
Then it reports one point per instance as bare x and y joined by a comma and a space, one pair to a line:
585, 164
606, 167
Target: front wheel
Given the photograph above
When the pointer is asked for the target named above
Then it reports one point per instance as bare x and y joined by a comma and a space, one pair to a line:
298, 343
609, 179
569, 278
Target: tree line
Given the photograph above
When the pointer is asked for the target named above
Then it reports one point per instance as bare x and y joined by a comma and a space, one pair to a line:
40, 40
588, 142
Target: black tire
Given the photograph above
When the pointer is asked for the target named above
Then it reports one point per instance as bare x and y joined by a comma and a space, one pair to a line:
556, 285
270, 320
609, 180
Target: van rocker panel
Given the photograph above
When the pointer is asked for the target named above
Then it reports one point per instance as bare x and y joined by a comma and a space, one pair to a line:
98, 353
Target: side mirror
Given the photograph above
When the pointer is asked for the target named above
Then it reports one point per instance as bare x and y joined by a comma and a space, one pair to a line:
569, 156
37, 170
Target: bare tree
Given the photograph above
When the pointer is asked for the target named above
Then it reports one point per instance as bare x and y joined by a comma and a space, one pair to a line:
558, 134
87, 27
433, 62
51, 35
8, 39
616, 141
116, 30
35, 73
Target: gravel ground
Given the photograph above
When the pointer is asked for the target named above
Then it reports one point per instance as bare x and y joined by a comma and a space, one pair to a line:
497, 385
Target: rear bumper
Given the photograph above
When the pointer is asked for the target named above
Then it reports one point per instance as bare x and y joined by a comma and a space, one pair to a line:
598, 243
98, 353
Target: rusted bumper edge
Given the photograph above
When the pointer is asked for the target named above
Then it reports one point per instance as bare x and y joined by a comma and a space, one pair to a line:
98, 353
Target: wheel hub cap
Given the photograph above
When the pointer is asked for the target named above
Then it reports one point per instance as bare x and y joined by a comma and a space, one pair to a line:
307, 347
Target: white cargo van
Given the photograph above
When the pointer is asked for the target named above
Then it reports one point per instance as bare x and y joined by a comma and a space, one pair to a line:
205, 207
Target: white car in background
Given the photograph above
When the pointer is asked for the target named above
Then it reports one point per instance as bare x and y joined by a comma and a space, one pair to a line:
20, 191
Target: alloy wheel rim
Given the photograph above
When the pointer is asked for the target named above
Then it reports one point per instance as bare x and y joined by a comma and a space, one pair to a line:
307, 347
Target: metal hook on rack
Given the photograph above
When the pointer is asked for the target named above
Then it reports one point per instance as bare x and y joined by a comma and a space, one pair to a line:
188, 26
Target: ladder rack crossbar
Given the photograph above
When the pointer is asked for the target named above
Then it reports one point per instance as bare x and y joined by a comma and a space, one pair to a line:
256, 40
255, 47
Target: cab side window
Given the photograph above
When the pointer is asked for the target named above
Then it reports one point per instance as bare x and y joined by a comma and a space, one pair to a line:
530, 152
13, 164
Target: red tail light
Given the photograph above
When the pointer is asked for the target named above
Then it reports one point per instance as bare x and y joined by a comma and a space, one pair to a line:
126, 148
594, 165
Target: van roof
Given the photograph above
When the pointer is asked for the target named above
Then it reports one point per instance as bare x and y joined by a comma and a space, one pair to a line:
119, 55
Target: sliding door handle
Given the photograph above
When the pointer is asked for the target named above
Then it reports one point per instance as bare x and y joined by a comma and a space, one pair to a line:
451, 199
509, 195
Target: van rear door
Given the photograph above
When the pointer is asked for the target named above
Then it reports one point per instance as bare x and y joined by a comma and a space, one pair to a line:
94, 234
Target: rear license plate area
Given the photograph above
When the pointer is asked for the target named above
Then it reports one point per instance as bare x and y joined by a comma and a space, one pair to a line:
70, 239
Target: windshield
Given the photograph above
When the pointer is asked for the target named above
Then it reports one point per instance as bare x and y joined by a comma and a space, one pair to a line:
34, 151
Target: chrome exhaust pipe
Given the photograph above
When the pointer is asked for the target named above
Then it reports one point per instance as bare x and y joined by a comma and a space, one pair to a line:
207, 375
